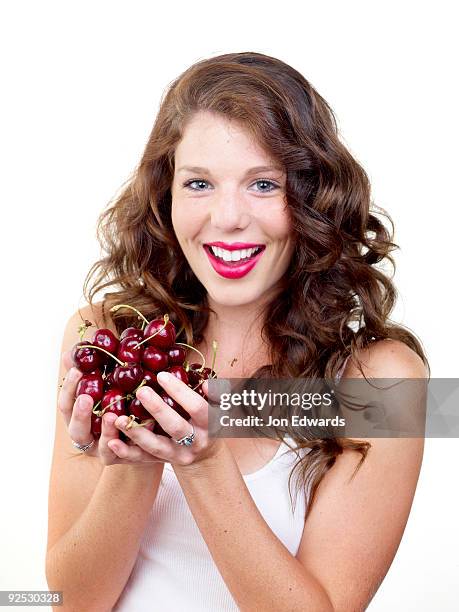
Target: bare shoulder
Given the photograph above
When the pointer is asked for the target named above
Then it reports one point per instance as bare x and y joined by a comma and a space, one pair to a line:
358, 517
96, 314
387, 359
92, 313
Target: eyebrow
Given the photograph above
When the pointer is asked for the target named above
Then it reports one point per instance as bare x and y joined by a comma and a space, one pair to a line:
199, 169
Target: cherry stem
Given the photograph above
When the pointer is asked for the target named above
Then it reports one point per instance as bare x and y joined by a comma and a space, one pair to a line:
203, 380
95, 406
214, 348
131, 419
195, 349
123, 363
104, 410
133, 422
118, 306
199, 384
166, 321
83, 328
132, 394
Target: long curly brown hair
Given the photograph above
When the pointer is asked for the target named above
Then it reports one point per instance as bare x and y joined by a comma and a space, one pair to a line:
333, 301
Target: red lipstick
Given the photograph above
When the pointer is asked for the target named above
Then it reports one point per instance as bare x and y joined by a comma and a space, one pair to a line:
234, 246
233, 269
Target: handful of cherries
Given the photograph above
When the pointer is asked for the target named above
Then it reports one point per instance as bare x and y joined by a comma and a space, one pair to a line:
114, 368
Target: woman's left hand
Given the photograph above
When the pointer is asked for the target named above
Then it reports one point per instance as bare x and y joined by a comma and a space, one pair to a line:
166, 449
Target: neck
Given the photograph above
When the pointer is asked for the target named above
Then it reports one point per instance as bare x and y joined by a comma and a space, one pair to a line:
237, 331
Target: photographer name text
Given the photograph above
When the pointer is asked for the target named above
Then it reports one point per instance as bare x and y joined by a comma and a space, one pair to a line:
294, 420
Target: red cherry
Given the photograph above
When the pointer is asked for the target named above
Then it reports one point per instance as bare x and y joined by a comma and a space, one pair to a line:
128, 377
140, 365
96, 425
175, 405
154, 359
106, 339
109, 383
86, 359
194, 375
165, 338
114, 402
179, 373
92, 384
197, 377
205, 373
109, 367
132, 332
138, 410
128, 352
151, 380
176, 354
208, 373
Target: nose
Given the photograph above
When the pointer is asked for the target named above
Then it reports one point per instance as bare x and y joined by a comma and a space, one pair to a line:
229, 211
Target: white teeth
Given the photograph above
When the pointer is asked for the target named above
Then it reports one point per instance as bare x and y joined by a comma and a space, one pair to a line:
233, 255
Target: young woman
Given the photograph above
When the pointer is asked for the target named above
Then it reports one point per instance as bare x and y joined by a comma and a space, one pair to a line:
244, 154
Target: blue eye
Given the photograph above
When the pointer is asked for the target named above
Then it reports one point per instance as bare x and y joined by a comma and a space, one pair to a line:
273, 185
266, 181
189, 183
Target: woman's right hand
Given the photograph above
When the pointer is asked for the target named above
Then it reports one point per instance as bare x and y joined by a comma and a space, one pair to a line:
77, 415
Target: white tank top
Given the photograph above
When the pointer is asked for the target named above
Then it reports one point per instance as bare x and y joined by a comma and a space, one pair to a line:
174, 570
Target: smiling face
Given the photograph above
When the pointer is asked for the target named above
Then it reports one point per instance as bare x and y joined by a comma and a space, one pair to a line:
220, 195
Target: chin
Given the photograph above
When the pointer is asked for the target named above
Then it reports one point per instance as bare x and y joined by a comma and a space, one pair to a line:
234, 296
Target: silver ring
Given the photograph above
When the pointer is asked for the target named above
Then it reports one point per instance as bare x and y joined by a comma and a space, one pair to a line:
83, 447
187, 440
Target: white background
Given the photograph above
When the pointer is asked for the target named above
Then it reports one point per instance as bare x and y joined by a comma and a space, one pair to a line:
81, 85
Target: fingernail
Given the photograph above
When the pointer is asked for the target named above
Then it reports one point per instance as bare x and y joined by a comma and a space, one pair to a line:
143, 393
121, 422
164, 376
